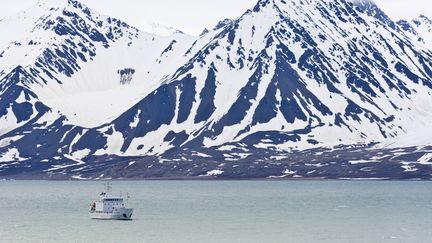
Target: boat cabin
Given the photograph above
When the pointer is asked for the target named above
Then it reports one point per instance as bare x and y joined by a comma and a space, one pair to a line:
107, 204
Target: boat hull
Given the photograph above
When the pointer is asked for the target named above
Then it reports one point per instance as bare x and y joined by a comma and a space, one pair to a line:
117, 214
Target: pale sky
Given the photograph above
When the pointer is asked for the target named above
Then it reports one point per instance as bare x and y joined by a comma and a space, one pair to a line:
192, 16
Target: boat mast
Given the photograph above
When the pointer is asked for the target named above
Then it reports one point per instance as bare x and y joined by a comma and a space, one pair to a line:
127, 197
108, 187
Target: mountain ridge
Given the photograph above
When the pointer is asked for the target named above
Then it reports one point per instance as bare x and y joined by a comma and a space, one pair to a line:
77, 40
283, 83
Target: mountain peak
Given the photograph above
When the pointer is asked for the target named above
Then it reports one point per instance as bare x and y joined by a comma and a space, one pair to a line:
18, 75
70, 6
261, 4
159, 29
372, 9
223, 23
62, 4
423, 19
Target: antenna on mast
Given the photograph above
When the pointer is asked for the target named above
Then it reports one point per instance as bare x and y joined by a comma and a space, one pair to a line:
127, 197
108, 187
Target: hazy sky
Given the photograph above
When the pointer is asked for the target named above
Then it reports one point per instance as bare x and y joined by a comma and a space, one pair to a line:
192, 16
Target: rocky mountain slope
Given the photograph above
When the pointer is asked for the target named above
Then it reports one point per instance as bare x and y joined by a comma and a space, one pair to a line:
289, 89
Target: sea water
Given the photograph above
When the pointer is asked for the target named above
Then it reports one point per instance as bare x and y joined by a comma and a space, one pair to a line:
221, 211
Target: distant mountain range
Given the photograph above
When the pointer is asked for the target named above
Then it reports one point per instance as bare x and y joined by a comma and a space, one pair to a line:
290, 89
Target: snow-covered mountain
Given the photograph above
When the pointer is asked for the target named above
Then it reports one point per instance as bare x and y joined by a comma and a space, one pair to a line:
80, 58
289, 89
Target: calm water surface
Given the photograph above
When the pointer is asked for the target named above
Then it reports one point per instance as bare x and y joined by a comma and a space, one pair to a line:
221, 211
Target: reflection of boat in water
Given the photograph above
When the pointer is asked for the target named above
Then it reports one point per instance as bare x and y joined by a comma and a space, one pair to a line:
110, 207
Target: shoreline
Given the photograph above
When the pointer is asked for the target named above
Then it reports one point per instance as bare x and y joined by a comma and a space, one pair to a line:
220, 179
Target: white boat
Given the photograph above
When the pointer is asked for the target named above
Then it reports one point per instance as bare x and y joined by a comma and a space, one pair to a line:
110, 207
